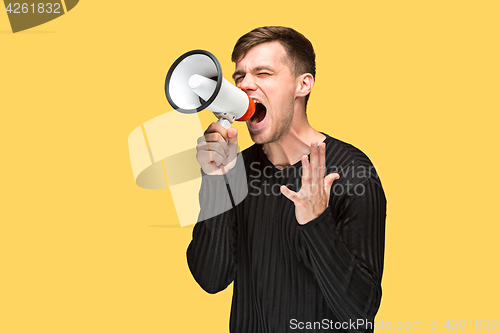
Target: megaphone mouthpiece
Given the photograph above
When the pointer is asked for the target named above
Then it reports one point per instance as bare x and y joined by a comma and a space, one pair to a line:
202, 86
250, 110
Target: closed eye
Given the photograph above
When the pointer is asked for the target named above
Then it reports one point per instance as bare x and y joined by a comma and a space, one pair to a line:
238, 79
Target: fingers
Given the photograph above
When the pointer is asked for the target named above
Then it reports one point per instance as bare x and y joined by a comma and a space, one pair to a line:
320, 174
211, 151
313, 180
215, 142
213, 146
232, 134
215, 137
306, 175
329, 182
232, 144
217, 128
316, 178
322, 163
206, 157
289, 193
216, 133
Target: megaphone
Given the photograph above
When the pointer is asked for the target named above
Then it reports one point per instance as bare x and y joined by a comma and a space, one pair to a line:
195, 83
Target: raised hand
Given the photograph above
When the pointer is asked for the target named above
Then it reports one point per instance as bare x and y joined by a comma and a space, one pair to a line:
313, 197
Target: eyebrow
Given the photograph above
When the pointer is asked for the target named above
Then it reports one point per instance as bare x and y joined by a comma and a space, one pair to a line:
238, 72
256, 69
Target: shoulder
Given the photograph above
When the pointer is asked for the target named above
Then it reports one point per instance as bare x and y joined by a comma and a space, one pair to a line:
349, 162
252, 157
251, 152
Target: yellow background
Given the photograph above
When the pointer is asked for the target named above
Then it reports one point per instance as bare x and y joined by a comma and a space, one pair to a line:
414, 84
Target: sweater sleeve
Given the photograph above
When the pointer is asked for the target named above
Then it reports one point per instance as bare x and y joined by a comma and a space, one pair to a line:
211, 255
344, 248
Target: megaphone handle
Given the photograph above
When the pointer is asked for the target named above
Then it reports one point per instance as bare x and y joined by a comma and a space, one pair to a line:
224, 122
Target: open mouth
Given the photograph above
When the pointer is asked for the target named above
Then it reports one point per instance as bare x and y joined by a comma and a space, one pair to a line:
260, 112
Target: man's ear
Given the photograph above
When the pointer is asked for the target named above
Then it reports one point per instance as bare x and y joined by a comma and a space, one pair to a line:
305, 83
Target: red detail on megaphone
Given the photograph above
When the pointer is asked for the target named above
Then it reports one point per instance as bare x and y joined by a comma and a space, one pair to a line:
250, 111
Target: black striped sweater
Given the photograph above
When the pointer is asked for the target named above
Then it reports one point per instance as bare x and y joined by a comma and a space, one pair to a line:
321, 277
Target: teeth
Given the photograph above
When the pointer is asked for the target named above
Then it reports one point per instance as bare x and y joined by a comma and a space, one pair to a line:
256, 102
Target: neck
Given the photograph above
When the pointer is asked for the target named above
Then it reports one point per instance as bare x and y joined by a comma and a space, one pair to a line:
296, 142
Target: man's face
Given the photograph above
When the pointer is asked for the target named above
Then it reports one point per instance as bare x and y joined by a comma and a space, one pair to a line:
264, 74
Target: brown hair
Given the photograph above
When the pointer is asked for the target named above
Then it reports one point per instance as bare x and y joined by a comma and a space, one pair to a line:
298, 48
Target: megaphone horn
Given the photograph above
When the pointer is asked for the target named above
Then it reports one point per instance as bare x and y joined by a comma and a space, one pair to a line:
195, 82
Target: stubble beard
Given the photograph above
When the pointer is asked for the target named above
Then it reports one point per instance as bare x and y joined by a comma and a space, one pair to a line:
283, 126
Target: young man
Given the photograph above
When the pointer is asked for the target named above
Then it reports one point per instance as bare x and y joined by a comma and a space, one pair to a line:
304, 248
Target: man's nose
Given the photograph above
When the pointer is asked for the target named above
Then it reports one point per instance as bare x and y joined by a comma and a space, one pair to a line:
248, 83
